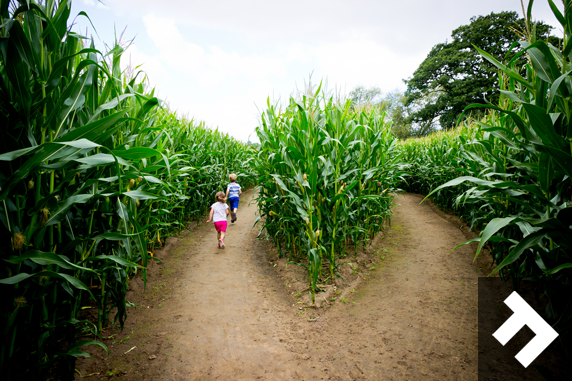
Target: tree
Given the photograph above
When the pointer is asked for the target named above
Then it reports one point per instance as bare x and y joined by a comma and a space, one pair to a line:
454, 75
398, 113
361, 95
393, 103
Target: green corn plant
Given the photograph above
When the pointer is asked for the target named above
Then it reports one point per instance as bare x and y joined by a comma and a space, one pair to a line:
440, 157
327, 173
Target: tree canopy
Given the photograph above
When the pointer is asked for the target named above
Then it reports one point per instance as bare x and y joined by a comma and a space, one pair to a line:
362, 95
393, 103
454, 75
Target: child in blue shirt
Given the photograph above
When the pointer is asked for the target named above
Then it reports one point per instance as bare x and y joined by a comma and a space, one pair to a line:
233, 193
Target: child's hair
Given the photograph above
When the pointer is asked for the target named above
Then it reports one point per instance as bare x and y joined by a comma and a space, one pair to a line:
232, 177
220, 196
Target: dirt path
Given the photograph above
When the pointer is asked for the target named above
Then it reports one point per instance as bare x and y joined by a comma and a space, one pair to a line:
212, 314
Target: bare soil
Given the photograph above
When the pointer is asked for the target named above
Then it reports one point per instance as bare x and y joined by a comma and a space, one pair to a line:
406, 309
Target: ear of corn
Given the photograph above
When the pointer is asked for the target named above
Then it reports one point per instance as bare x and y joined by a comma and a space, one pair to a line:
94, 174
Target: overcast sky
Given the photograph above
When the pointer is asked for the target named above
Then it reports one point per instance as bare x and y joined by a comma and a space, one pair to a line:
220, 61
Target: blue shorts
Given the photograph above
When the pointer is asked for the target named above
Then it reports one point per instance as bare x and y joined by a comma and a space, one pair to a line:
233, 201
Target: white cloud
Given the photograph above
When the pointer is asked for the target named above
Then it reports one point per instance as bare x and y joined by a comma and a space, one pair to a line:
97, 3
262, 22
363, 62
223, 87
210, 65
151, 65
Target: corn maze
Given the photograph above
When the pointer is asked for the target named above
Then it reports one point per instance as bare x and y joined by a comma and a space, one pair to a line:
96, 172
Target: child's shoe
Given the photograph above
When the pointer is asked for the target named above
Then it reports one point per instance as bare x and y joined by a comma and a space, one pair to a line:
221, 244
233, 217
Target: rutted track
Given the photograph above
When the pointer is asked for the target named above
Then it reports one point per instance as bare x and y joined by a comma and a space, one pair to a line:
221, 314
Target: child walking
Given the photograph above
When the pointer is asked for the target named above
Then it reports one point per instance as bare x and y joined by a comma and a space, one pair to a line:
219, 213
233, 193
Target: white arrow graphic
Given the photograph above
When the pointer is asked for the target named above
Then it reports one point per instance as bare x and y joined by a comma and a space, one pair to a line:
525, 315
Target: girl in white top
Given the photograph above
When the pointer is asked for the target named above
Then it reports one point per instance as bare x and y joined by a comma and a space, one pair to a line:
219, 213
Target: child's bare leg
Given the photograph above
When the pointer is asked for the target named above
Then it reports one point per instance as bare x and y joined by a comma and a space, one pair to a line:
218, 234
222, 235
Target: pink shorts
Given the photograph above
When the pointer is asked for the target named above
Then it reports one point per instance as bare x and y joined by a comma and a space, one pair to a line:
220, 226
